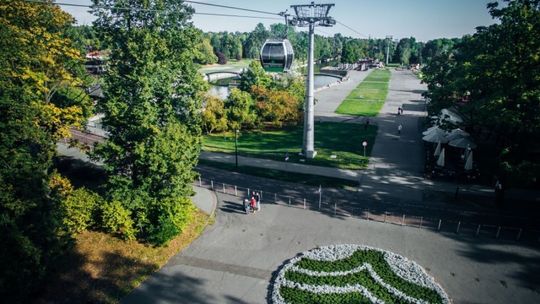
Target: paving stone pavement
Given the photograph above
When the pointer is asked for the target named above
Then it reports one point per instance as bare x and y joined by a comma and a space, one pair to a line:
233, 261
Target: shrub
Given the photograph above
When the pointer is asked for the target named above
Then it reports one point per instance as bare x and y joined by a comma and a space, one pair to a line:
116, 219
221, 58
171, 221
79, 209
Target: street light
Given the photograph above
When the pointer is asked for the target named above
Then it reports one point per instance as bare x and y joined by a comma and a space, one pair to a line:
236, 147
364, 143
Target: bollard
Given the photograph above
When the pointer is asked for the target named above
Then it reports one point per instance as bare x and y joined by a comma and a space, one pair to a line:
248, 192
304, 203
421, 219
200, 182
403, 220
289, 200
498, 232
367, 215
478, 229
335, 208
385, 217
439, 227
458, 225
519, 234
224, 188
275, 198
235, 191
212, 184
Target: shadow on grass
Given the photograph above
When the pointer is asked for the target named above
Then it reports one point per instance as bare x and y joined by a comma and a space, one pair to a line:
72, 281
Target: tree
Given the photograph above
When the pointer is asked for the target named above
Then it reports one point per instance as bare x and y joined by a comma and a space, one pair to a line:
214, 116
205, 52
36, 63
152, 112
255, 75
240, 110
276, 107
492, 78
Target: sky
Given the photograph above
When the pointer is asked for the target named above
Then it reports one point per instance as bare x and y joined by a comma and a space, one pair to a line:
422, 19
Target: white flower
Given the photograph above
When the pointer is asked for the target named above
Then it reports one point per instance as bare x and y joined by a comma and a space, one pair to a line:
401, 266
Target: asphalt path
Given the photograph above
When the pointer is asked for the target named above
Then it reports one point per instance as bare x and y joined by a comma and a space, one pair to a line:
235, 259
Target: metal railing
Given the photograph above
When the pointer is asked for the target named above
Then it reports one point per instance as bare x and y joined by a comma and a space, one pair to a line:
341, 209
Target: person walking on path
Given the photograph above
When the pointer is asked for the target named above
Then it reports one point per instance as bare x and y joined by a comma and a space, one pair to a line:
257, 201
253, 203
399, 129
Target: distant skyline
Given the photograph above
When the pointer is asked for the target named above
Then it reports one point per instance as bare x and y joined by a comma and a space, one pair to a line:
422, 19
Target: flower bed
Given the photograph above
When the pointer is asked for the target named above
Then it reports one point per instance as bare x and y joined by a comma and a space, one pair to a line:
354, 274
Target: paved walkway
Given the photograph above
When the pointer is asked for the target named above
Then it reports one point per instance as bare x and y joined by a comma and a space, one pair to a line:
233, 261
329, 99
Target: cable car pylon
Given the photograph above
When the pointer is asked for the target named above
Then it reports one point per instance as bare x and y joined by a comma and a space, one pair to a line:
311, 15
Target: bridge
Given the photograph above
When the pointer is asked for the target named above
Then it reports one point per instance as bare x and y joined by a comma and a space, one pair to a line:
212, 76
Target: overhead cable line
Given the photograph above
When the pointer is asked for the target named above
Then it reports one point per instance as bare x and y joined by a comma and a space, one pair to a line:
233, 15
232, 7
152, 10
350, 28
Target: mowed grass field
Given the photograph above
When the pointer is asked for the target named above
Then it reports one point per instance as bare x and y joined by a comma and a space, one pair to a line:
368, 97
343, 140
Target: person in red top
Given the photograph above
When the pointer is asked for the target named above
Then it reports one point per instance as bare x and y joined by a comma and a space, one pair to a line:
253, 203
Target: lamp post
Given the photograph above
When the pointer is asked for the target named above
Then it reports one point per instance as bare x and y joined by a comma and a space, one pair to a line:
364, 144
236, 147
388, 40
310, 15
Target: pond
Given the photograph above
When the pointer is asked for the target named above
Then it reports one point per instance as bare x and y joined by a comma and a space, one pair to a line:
222, 91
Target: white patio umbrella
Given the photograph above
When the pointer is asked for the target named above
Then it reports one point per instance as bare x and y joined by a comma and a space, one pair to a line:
437, 150
435, 136
440, 160
462, 142
456, 133
430, 130
469, 162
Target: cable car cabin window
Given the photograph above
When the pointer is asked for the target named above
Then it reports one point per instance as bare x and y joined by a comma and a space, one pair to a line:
274, 54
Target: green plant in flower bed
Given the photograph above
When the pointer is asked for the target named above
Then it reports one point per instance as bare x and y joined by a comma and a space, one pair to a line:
363, 278
380, 266
292, 295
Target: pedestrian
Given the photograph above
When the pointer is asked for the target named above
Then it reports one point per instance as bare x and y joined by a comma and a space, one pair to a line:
399, 129
246, 202
398, 111
401, 110
257, 200
287, 156
252, 203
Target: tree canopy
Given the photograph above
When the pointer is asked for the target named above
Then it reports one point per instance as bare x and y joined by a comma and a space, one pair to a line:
492, 79
152, 114
38, 73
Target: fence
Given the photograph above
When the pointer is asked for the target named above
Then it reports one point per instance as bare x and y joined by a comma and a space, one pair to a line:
341, 209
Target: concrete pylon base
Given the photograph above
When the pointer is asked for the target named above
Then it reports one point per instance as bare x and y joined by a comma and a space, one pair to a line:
310, 154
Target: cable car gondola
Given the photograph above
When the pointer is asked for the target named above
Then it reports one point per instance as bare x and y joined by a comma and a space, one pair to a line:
277, 55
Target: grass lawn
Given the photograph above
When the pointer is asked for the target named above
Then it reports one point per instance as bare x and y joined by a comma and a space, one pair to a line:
102, 269
299, 178
344, 140
230, 65
368, 97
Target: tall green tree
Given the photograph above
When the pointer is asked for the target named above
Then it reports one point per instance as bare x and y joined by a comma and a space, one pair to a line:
152, 112
37, 68
254, 76
492, 78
